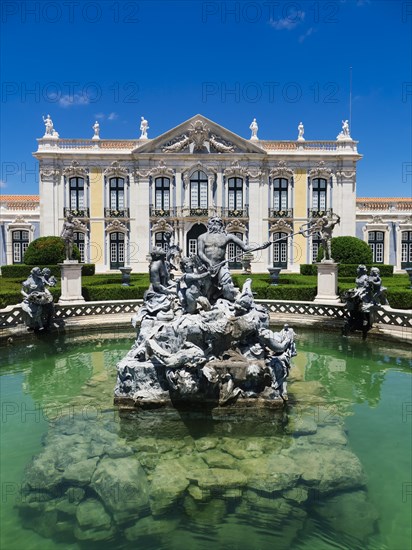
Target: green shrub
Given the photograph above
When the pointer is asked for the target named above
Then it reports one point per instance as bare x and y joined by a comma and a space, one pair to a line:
308, 269
112, 292
22, 271
48, 250
348, 270
399, 298
349, 250
291, 292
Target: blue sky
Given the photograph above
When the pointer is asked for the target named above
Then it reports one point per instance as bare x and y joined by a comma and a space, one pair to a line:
281, 62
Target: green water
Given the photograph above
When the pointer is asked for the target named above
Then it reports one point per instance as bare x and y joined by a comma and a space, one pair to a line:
53, 390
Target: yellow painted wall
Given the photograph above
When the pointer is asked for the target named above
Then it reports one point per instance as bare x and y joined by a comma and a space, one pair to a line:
96, 211
300, 211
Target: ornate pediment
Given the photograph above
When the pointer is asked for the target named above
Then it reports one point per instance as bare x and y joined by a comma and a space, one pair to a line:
116, 170
116, 225
160, 170
162, 227
79, 226
198, 135
236, 226
320, 171
281, 171
281, 226
74, 169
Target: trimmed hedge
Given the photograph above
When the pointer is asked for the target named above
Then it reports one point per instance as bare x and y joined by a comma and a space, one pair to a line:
349, 250
113, 292
48, 250
22, 271
348, 270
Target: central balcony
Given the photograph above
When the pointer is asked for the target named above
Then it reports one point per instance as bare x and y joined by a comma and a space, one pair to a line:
116, 213
80, 213
198, 212
317, 213
274, 213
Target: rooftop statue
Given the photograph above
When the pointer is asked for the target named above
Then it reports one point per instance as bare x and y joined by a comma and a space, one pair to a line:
50, 132
344, 134
200, 338
254, 128
96, 128
364, 300
37, 304
144, 126
301, 130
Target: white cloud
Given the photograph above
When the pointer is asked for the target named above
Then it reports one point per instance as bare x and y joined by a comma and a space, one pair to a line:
3, 184
303, 37
288, 23
72, 100
110, 116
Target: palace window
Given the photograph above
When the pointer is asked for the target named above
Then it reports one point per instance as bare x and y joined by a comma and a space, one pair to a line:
235, 253
406, 250
198, 190
20, 242
235, 194
280, 194
319, 194
116, 193
76, 193
280, 250
80, 243
161, 241
117, 250
162, 193
376, 242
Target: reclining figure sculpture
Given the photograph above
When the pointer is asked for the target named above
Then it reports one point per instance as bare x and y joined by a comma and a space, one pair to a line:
200, 338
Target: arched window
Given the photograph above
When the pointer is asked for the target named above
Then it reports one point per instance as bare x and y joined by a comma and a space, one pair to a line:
117, 250
161, 241
162, 194
20, 241
79, 241
406, 251
198, 191
280, 250
376, 242
116, 193
319, 194
76, 186
280, 194
235, 253
235, 194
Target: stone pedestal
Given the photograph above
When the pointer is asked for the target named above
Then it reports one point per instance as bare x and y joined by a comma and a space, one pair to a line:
125, 275
71, 282
327, 282
274, 275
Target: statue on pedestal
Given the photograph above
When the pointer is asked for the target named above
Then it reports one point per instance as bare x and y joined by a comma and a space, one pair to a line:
37, 304
254, 128
324, 226
344, 134
50, 132
96, 128
67, 234
144, 126
301, 130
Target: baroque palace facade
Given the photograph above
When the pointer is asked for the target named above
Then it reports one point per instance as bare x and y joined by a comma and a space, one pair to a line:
127, 196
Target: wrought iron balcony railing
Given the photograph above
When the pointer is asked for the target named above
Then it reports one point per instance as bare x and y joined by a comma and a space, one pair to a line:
77, 212
235, 212
200, 212
116, 212
163, 212
317, 213
282, 213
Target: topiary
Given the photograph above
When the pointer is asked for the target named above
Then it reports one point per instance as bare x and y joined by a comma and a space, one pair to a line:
48, 250
349, 250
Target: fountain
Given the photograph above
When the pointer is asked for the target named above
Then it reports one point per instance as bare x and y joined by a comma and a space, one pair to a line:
200, 339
